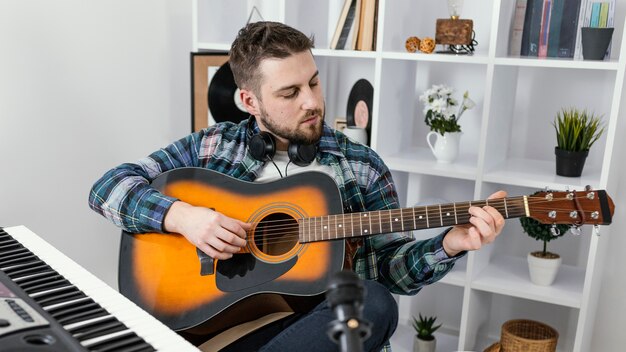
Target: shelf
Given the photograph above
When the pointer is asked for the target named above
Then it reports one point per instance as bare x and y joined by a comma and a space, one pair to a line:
345, 53
460, 59
509, 276
557, 63
422, 161
402, 339
539, 174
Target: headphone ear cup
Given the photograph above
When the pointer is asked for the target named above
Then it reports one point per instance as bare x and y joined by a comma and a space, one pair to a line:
262, 146
302, 155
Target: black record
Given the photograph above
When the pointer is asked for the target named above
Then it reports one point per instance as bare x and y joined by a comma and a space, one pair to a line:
223, 97
359, 112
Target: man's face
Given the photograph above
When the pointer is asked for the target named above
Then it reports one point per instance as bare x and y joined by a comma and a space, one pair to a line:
291, 103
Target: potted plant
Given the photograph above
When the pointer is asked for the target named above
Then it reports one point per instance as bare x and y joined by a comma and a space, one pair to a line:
543, 265
424, 339
576, 131
443, 112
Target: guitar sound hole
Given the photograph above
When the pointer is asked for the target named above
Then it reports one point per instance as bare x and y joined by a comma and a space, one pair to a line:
276, 234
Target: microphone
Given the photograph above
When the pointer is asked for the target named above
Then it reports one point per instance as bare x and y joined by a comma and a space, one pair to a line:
345, 297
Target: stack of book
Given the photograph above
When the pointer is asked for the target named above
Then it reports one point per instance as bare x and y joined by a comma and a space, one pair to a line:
356, 27
551, 28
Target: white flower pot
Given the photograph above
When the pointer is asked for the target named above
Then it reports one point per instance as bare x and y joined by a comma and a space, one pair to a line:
543, 271
446, 147
420, 345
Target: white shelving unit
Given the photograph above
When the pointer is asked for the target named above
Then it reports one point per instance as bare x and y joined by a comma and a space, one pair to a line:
508, 143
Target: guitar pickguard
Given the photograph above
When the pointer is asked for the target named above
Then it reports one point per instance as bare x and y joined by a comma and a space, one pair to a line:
244, 271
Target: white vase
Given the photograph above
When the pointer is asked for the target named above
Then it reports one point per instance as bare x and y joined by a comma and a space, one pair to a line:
446, 147
543, 270
420, 345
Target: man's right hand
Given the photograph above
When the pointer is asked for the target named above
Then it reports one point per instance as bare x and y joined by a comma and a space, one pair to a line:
213, 233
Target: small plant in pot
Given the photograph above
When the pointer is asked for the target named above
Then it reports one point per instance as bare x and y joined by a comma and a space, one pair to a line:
576, 131
543, 265
424, 339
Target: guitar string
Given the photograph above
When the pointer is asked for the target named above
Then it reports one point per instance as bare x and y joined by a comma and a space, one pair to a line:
294, 232
432, 213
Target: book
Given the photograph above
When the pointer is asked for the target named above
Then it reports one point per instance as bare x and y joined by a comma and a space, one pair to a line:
556, 19
534, 27
569, 27
544, 32
517, 28
366, 25
354, 30
604, 14
595, 15
526, 32
343, 25
584, 20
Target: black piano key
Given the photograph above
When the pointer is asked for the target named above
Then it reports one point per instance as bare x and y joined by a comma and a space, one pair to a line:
72, 307
48, 286
18, 256
116, 343
82, 315
10, 246
14, 252
54, 293
15, 273
98, 328
60, 298
41, 279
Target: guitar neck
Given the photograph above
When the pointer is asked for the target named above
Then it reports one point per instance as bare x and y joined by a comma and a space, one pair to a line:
377, 222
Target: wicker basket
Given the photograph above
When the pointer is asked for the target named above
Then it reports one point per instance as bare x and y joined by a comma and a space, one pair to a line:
523, 335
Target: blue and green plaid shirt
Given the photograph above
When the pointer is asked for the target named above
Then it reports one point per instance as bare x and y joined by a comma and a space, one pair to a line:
124, 196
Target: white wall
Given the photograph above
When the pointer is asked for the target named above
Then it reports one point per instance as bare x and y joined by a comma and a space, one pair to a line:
86, 85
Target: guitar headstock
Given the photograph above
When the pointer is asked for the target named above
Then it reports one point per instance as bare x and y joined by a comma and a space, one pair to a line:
593, 207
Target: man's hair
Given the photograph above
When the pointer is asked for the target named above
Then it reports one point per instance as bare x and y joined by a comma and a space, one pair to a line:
262, 40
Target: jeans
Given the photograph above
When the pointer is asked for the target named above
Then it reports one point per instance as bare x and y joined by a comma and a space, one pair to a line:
307, 331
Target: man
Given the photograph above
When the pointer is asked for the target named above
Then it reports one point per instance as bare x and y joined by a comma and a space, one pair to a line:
280, 88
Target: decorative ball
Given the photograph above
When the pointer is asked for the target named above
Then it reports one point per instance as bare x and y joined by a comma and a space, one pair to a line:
427, 45
412, 44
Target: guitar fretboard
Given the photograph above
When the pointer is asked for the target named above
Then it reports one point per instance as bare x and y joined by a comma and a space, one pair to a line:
339, 226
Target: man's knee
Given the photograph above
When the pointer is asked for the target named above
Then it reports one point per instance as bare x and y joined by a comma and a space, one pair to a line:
379, 307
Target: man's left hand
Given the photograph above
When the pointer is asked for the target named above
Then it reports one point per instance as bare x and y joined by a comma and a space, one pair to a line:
485, 225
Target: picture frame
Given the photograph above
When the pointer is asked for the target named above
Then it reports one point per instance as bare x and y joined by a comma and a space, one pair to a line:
203, 65
340, 123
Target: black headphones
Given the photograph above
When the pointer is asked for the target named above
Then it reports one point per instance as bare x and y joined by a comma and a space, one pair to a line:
262, 147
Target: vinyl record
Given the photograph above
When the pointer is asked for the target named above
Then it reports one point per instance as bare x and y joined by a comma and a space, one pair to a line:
359, 112
223, 96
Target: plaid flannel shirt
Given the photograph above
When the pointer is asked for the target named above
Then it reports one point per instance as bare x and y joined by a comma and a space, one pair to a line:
124, 196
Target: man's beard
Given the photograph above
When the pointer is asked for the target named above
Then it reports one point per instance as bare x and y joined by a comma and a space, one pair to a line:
297, 136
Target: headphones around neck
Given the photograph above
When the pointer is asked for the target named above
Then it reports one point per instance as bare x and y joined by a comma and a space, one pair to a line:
262, 147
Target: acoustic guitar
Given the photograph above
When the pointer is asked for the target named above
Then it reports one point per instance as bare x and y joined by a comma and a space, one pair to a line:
295, 245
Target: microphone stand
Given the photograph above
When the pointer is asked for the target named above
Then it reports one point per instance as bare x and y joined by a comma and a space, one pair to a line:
345, 297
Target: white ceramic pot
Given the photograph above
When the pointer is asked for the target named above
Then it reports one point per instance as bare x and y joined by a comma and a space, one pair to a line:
543, 271
420, 345
446, 147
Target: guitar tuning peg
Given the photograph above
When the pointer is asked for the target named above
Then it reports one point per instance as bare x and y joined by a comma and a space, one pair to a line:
597, 229
575, 230
588, 188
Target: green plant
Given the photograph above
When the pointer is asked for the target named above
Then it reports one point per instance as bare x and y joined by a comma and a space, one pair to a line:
577, 130
424, 327
542, 232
